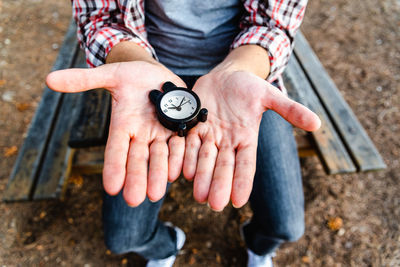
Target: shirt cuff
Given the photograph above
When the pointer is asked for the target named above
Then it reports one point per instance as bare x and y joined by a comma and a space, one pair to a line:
102, 41
274, 40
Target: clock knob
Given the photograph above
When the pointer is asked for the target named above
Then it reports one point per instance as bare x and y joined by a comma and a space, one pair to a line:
181, 129
168, 86
154, 94
203, 115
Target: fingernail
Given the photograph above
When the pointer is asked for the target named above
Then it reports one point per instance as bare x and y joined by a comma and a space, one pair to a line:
208, 204
152, 201
236, 207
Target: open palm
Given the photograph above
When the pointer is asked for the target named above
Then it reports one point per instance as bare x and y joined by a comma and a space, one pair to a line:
137, 156
221, 154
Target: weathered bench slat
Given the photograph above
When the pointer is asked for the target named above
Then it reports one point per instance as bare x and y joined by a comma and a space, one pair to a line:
30, 157
360, 146
57, 162
90, 127
88, 161
332, 152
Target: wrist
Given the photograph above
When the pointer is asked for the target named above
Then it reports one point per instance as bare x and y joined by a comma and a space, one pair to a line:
249, 58
129, 51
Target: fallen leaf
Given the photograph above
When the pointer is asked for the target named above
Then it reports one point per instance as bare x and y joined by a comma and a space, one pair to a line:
2, 82
10, 151
42, 214
305, 259
22, 106
192, 260
28, 234
76, 180
218, 258
335, 223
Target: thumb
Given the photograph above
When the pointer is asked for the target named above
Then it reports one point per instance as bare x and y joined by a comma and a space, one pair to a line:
79, 80
292, 111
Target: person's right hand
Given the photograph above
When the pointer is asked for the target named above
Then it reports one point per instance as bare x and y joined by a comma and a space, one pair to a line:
137, 156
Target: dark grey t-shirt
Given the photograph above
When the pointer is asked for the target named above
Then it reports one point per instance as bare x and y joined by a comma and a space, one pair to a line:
191, 37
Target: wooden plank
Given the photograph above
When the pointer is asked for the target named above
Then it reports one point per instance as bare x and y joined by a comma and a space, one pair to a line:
88, 161
90, 127
360, 146
57, 162
305, 147
27, 165
332, 152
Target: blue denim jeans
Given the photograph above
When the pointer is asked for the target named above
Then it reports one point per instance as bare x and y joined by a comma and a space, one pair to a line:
276, 200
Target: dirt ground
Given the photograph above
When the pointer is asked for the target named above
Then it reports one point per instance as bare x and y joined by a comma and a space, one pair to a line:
359, 44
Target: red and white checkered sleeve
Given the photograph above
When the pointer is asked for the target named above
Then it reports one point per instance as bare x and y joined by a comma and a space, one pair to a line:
104, 23
271, 24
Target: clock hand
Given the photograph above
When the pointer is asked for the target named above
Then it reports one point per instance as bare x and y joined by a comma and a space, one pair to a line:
180, 104
184, 103
174, 107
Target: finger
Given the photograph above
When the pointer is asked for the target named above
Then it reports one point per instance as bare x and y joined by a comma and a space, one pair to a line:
78, 80
115, 157
136, 173
245, 168
176, 146
220, 190
158, 170
295, 113
192, 146
205, 170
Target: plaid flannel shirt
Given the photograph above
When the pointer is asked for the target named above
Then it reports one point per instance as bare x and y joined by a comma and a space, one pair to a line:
271, 24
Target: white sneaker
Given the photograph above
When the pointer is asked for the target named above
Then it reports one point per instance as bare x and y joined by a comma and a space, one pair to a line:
169, 262
255, 260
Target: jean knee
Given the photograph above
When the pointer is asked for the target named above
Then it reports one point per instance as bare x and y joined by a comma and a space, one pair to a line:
114, 246
292, 229
120, 240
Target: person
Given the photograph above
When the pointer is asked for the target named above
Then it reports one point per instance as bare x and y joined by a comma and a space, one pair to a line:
232, 54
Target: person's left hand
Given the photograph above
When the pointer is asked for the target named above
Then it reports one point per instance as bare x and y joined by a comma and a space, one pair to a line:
221, 154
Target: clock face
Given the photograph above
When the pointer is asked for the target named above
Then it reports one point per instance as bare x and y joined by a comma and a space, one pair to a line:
178, 104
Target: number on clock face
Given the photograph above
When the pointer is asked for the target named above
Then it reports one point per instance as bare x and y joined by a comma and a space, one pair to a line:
178, 104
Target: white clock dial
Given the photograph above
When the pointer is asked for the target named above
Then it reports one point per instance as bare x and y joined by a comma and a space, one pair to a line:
178, 104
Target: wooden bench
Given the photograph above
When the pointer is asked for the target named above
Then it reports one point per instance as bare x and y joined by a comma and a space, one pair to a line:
66, 123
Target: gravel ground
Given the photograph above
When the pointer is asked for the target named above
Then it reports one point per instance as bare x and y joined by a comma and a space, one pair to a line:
359, 44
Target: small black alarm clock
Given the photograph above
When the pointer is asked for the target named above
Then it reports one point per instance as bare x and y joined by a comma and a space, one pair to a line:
178, 109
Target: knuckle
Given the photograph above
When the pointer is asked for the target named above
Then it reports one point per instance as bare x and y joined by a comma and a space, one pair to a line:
158, 152
201, 174
136, 173
244, 163
139, 157
226, 163
205, 154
